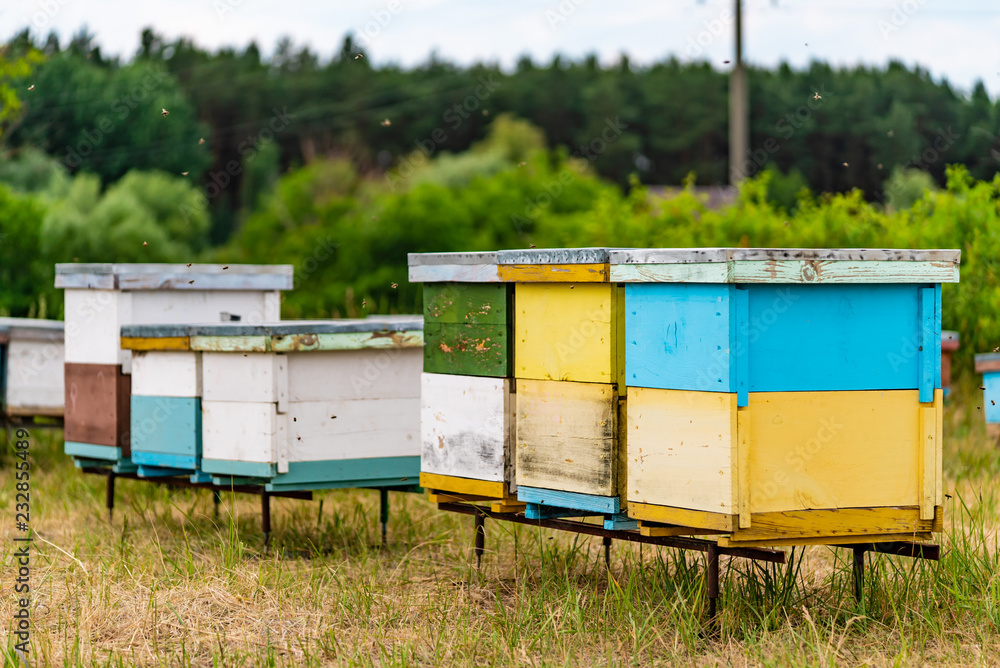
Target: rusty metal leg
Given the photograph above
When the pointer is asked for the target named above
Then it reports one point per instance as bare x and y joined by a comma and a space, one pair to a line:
383, 510
859, 573
109, 495
265, 511
713, 579
480, 536
607, 552
216, 500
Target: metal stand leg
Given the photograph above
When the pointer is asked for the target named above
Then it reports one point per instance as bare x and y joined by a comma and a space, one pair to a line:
216, 500
859, 573
383, 510
607, 552
265, 511
713, 579
480, 536
109, 495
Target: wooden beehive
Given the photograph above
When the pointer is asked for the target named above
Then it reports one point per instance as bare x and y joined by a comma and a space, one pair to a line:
568, 369
949, 344
311, 404
31, 368
101, 298
165, 415
784, 396
467, 398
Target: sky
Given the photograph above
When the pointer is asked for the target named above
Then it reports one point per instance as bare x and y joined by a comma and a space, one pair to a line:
957, 40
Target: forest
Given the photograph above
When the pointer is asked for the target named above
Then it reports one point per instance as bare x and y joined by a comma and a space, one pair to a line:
181, 154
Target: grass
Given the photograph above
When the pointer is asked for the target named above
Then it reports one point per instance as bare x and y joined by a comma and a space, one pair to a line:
169, 583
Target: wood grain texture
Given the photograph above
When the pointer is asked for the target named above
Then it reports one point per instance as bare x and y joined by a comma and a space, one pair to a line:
831, 523
722, 254
141, 276
98, 398
34, 378
566, 436
466, 427
553, 256
353, 429
727, 541
166, 373
473, 350
347, 341
568, 332
661, 530
680, 449
554, 273
240, 431
822, 450
231, 344
788, 271
482, 488
462, 273
467, 303
681, 517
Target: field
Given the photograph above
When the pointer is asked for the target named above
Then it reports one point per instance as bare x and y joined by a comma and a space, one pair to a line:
169, 583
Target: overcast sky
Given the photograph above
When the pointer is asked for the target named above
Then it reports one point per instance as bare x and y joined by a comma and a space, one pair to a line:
958, 40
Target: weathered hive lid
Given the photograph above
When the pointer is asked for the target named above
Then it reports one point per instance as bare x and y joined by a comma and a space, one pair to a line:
31, 329
592, 255
987, 362
785, 265
107, 276
949, 340
555, 265
284, 336
453, 267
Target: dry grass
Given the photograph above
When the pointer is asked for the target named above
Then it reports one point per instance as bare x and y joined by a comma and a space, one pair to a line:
167, 583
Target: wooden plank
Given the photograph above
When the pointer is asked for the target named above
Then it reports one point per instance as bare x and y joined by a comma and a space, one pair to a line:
843, 271
162, 343
459, 498
554, 273
927, 449
605, 505
34, 378
347, 341
566, 332
939, 449
727, 541
473, 350
744, 483
239, 432
353, 429
722, 254
929, 348
160, 307
149, 276
830, 523
166, 373
716, 272
816, 450
467, 303
698, 519
444, 483
680, 449
566, 436
986, 362
246, 377
357, 470
465, 426
459, 258
93, 321
104, 453
461, 273
741, 352
97, 405
232, 344
553, 256
170, 425
359, 374
660, 530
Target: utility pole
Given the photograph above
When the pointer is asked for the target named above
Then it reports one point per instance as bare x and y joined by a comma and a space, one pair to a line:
739, 115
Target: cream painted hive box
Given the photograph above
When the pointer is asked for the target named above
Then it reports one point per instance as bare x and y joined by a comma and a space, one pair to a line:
101, 298
303, 405
31, 368
784, 396
467, 389
569, 381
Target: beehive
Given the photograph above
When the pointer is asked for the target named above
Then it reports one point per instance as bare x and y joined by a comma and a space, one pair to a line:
785, 396
569, 372
165, 403
31, 368
467, 398
988, 364
101, 298
949, 344
311, 404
